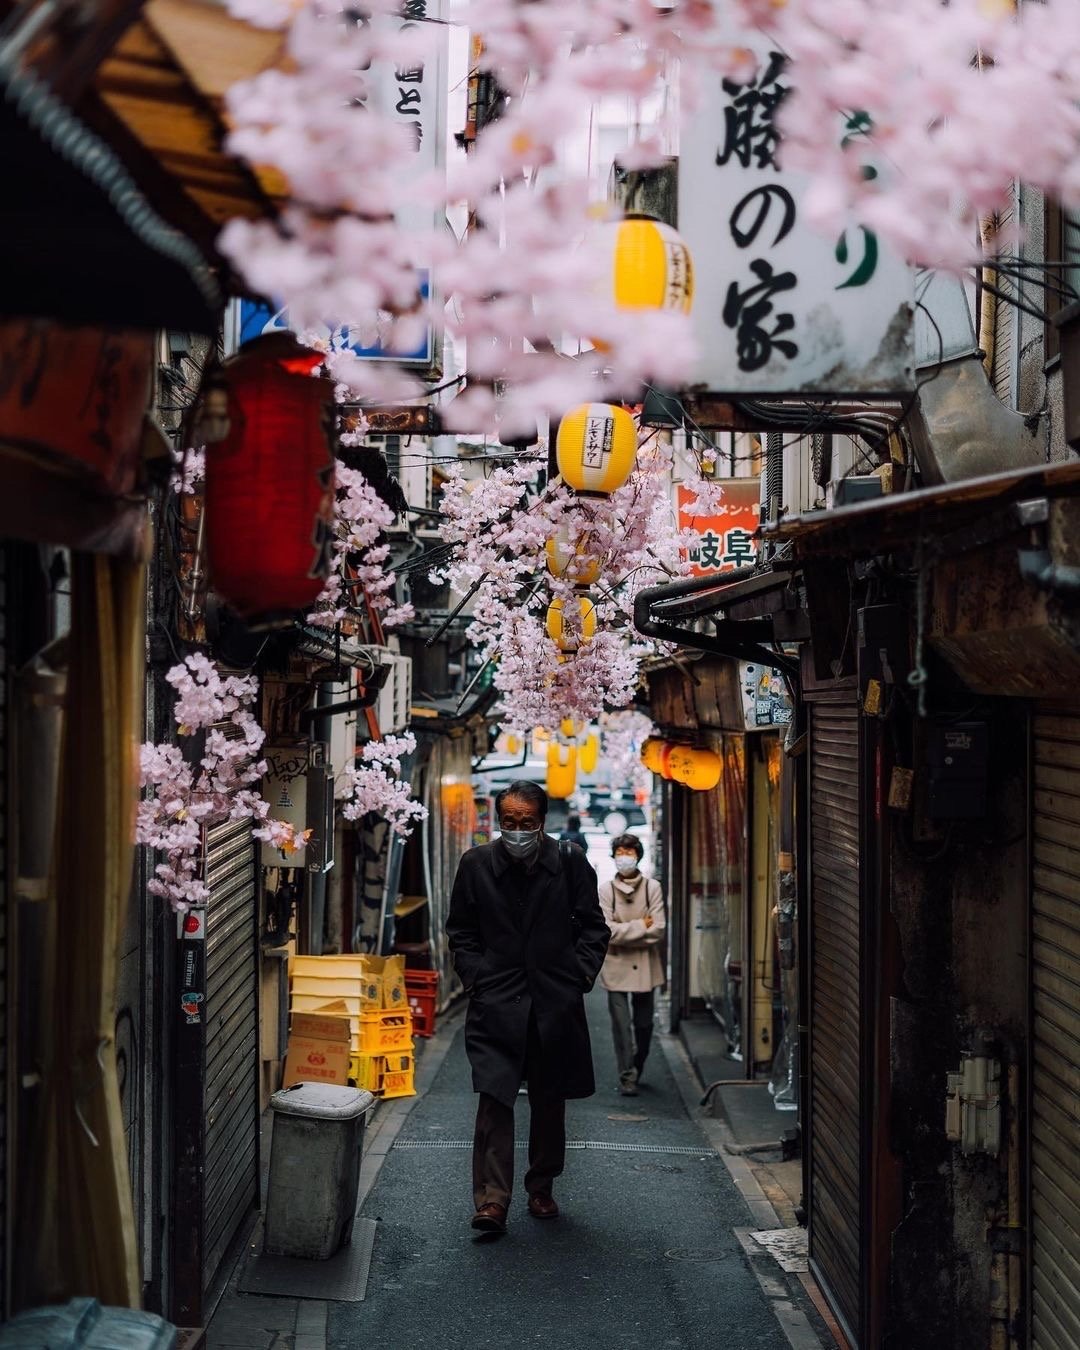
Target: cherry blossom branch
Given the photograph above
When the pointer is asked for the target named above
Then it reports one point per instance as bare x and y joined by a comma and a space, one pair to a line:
375, 785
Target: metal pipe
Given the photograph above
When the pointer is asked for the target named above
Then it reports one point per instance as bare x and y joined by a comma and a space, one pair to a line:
726, 1082
1038, 567
1015, 1222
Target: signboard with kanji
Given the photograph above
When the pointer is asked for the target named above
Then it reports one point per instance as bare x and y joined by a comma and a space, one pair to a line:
725, 537
414, 97
779, 306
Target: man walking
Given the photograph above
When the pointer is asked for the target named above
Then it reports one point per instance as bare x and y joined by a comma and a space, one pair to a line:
528, 940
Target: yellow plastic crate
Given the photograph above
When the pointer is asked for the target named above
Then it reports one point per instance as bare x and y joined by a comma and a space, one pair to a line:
397, 1078
384, 1075
366, 1071
383, 1032
327, 977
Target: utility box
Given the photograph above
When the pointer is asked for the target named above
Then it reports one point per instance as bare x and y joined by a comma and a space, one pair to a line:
83, 1324
958, 757
314, 1169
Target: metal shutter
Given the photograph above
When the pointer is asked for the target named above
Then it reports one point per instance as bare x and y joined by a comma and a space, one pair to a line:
835, 1208
3, 929
231, 1183
1055, 1039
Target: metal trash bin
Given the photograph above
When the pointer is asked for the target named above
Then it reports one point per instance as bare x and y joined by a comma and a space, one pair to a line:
314, 1169
83, 1324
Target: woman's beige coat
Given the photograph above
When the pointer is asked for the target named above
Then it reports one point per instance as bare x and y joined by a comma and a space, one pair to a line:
633, 964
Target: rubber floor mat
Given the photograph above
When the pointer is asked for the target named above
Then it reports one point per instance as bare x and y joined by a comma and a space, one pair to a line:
341, 1279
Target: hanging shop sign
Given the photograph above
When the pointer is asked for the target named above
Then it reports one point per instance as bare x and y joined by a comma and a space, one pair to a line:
252, 318
779, 307
726, 536
765, 697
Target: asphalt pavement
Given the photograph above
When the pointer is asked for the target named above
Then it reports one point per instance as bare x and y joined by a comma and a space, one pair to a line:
644, 1255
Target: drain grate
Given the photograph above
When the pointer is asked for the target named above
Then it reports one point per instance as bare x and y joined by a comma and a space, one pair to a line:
680, 1150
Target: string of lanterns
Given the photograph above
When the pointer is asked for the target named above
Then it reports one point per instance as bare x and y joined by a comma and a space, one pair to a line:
695, 767
596, 444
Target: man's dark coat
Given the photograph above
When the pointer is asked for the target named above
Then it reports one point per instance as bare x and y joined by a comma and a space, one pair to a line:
513, 944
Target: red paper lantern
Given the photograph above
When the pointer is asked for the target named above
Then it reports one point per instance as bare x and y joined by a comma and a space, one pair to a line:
270, 480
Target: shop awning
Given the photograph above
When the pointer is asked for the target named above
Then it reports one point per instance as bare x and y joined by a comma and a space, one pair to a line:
888, 524
116, 178
751, 611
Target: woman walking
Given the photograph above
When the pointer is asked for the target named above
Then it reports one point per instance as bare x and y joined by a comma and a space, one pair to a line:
633, 906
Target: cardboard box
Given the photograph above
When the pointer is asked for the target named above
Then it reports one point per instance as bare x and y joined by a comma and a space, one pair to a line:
318, 1047
392, 968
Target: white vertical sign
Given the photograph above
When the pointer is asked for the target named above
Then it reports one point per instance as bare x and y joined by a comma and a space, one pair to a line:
778, 307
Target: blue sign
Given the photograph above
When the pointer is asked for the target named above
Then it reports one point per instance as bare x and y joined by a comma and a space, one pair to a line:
257, 318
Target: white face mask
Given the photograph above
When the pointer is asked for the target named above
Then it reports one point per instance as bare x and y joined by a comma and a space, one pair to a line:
626, 865
521, 843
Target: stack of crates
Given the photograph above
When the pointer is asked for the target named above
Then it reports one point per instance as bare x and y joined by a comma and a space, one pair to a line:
422, 987
372, 988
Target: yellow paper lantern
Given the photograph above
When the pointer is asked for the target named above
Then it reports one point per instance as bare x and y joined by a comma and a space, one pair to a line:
697, 769
571, 728
651, 266
567, 558
651, 753
571, 627
513, 745
589, 753
561, 770
596, 448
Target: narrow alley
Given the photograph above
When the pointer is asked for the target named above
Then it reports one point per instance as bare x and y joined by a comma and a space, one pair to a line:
540, 541
644, 1254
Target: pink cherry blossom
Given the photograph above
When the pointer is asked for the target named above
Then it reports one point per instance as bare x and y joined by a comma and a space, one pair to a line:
183, 799
375, 785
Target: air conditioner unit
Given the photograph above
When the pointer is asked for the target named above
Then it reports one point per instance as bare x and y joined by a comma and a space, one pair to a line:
343, 725
395, 697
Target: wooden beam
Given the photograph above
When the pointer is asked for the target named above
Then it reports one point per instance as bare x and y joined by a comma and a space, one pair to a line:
76, 40
176, 132
213, 49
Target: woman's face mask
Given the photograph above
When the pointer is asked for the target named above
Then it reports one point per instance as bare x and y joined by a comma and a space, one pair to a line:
521, 843
626, 863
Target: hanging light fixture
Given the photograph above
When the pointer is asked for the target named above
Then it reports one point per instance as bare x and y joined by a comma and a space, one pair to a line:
270, 480
652, 751
561, 770
589, 753
572, 625
596, 448
695, 768
651, 266
567, 557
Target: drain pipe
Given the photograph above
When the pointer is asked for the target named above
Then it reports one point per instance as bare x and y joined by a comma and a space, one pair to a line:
736, 648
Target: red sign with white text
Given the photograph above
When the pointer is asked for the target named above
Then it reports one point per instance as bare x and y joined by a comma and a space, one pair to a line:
725, 537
